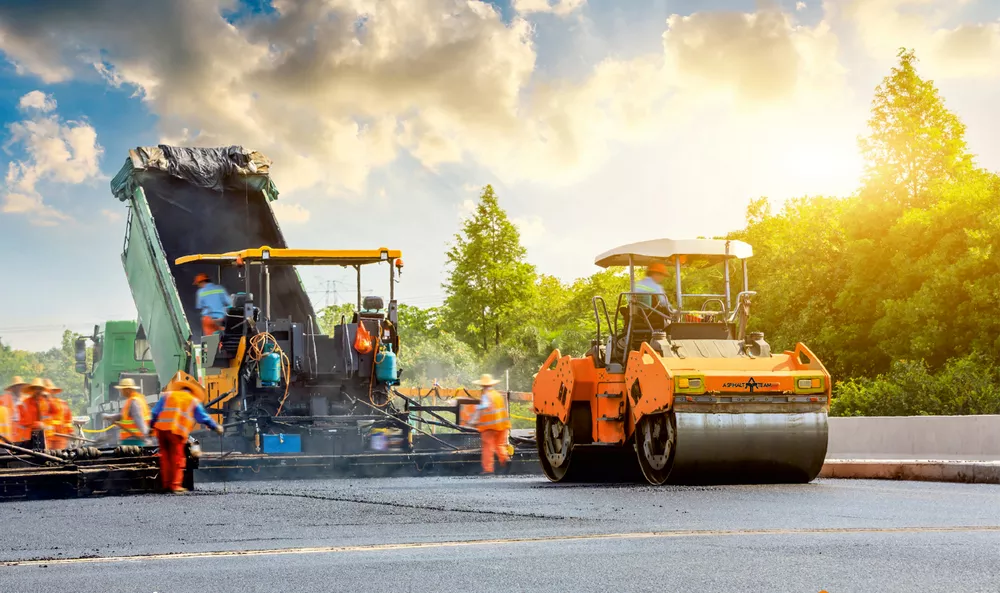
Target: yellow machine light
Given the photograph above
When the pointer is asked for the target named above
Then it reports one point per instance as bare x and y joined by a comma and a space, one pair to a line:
808, 384
689, 384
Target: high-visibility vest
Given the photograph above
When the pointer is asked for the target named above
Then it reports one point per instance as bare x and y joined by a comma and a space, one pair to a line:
494, 416
6, 426
129, 429
60, 421
177, 415
38, 413
17, 432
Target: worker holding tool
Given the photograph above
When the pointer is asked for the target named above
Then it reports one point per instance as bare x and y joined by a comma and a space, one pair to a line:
212, 301
133, 419
11, 400
36, 414
493, 422
61, 421
173, 418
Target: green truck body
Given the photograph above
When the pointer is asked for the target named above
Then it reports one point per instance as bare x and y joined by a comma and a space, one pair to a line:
116, 354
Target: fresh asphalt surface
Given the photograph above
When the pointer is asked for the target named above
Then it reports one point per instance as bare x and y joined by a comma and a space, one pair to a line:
421, 534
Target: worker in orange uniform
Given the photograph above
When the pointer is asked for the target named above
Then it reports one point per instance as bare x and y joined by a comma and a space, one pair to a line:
493, 422
212, 301
36, 414
10, 400
61, 417
173, 418
133, 420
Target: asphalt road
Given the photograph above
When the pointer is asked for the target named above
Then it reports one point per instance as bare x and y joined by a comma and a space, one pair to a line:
510, 534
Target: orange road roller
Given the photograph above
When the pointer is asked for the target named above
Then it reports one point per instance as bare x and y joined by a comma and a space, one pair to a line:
685, 396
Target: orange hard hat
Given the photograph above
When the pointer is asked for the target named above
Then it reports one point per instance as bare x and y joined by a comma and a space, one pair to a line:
656, 268
201, 278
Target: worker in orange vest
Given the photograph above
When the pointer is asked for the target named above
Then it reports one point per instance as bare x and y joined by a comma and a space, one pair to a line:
11, 399
493, 422
61, 417
133, 420
173, 418
36, 414
6, 424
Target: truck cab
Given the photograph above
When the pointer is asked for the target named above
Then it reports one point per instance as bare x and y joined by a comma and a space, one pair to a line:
119, 350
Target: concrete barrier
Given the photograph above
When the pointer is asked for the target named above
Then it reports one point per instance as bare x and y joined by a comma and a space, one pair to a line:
956, 438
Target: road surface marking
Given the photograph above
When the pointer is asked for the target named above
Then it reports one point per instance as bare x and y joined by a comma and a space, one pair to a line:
494, 542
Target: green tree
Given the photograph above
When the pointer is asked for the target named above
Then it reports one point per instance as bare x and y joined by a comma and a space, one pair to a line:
914, 140
331, 316
490, 284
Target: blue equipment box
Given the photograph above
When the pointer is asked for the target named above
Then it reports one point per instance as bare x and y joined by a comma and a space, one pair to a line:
282, 443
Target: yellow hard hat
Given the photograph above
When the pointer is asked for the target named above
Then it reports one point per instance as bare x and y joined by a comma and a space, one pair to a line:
51, 387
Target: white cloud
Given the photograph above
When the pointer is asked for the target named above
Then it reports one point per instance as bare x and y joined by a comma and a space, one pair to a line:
532, 229
37, 100
112, 215
760, 57
947, 50
55, 150
558, 7
332, 89
466, 209
290, 213
800, 6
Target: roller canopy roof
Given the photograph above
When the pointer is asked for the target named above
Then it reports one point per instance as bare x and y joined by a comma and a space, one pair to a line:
297, 257
664, 250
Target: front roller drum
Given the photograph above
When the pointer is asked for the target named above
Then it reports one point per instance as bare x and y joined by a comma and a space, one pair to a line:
731, 448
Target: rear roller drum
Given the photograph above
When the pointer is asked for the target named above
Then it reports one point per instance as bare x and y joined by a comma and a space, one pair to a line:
555, 446
655, 444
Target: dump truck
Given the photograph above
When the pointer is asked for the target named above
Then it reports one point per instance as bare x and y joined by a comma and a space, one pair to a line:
682, 395
287, 393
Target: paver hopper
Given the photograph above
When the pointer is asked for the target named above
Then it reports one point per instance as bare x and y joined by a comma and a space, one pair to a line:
687, 396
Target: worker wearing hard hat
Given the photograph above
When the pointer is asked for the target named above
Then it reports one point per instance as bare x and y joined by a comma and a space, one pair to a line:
133, 419
36, 414
61, 418
10, 400
212, 301
173, 418
492, 420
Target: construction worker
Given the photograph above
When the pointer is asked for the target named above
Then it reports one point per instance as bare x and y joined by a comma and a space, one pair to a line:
36, 414
61, 417
212, 301
133, 420
173, 418
652, 284
11, 399
493, 422
6, 424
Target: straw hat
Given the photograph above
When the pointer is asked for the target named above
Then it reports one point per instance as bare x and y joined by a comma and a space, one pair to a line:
16, 382
51, 387
486, 381
184, 381
127, 384
36, 386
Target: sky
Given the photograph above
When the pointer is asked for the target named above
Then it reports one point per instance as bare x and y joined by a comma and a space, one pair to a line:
598, 122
